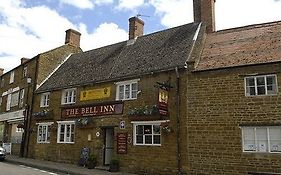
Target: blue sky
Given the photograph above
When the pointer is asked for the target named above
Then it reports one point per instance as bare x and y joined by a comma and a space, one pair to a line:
29, 27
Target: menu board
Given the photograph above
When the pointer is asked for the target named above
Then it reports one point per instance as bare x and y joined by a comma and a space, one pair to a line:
122, 143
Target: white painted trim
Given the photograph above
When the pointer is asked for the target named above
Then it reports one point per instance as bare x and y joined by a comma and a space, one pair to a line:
150, 122
66, 122
15, 89
127, 81
38, 86
45, 123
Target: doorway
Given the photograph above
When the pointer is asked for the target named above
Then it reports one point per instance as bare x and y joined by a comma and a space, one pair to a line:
108, 145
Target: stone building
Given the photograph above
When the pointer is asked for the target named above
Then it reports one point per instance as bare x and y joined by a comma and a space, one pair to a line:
233, 102
124, 101
18, 85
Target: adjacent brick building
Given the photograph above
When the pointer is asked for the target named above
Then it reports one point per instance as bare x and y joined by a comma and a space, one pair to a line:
18, 85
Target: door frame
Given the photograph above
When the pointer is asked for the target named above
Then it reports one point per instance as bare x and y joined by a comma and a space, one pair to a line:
104, 129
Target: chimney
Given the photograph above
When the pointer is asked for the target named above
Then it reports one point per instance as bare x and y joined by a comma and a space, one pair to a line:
72, 37
23, 60
1, 71
135, 27
204, 11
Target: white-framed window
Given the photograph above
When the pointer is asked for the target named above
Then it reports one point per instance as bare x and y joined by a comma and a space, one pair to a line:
68, 96
24, 72
66, 131
147, 133
8, 106
12, 77
21, 102
261, 139
15, 99
45, 98
44, 132
127, 90
261, 85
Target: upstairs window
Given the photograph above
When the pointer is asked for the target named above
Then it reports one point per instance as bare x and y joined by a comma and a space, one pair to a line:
68, 96
24, 72
21, 102
14, 99
12, 77
262, 139
261, 85
127, 90
45, 98
65, 132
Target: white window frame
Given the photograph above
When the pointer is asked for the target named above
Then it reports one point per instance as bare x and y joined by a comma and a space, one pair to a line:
255, 146
151, 123
256, 86
46, 133
45, 99
72, 132
19, 130
12, 77
128, 83
68, 99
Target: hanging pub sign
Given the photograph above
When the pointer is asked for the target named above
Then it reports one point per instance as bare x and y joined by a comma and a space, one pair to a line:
163, 102
94, 94
121, 143
113, 108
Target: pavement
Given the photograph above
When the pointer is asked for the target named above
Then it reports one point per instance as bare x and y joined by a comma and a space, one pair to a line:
64, 168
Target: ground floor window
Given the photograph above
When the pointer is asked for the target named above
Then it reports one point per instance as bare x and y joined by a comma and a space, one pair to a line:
147, 133
66, 131
43, 134
262, 139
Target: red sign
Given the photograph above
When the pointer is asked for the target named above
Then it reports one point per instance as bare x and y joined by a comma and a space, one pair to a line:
163, 102
121, 143
92, 110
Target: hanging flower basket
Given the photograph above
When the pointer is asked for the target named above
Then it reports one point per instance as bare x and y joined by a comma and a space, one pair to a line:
166, 128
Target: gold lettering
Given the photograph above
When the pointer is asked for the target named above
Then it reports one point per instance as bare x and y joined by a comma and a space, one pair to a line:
105, 108
87, 110
83, 111
111, 108
95, 110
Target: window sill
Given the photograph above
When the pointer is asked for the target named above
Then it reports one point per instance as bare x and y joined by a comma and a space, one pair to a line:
158, 145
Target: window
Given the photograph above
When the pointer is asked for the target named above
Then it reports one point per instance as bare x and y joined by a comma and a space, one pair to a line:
262, 139
24, 72
65, 132
19, 129
68, 96
261, 85
21, 102
127, 90
14, 99
147, 134
45, 98
43, 134
12, 77
8, 106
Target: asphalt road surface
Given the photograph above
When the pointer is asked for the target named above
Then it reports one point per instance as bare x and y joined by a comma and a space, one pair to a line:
13, 169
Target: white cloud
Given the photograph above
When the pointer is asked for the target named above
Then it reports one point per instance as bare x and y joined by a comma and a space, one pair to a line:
101, 2
82, 4
231, 14
173, 12
130, 4
105, 34
26, 32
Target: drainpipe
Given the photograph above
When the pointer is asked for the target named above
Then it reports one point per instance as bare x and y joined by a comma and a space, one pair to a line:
178, 121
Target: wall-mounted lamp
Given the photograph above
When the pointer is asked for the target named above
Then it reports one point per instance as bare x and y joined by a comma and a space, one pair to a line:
28, 80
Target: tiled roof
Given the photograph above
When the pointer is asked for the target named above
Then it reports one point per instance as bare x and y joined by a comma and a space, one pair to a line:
255, 44
155, 52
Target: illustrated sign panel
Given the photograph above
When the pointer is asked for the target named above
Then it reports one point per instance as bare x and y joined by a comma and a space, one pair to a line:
95, 94
163, 102
121, 143
93, 110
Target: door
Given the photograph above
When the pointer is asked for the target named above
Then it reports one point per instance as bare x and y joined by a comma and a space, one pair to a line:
108, 145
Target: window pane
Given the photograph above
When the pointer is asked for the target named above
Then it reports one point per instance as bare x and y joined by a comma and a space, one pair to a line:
62, 129
121, 92
139, 129
139, 139
156, 139
250, 82
156, 129
148, 139
147, 129
127, 91
270, 80
261, 90
261, 134
275, 139
249, 139
252, 90
260, 81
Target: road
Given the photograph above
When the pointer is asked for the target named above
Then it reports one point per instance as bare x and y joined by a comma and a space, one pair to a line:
12, 169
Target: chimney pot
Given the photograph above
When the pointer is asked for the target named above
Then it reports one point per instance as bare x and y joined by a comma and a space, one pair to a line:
23, 60
204, 11
72, 37
135, 27
1, 71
